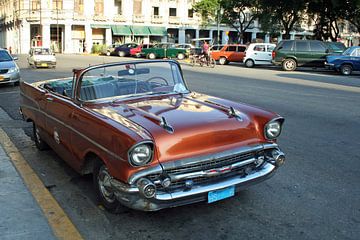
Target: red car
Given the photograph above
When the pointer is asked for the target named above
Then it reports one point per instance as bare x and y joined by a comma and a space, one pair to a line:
136, 52
229, 53
149, 141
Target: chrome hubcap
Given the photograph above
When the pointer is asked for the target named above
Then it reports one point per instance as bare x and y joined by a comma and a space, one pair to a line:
289, 64
346, 70
105, 186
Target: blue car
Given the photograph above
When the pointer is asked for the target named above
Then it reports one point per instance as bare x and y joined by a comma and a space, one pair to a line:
347, 62
124, 50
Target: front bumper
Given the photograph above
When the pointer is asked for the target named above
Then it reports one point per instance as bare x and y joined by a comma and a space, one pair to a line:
10, 78
45, 64
329, 65
131, 196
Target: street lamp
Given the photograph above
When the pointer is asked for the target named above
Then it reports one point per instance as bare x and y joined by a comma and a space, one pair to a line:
220, 11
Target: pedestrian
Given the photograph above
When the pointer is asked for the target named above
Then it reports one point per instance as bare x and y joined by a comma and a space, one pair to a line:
205, 50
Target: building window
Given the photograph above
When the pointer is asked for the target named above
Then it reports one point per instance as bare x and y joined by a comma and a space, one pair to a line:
172, 12
190, 13
35, 4
118, 7
57, 4
79, 6
99, 7
137, 7
156, 11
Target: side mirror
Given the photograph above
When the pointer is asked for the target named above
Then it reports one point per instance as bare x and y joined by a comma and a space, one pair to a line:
15, 58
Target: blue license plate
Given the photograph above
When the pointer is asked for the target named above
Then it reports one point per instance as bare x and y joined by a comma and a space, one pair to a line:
218, 195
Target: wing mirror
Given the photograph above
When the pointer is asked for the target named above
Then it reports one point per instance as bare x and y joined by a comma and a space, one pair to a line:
15, 58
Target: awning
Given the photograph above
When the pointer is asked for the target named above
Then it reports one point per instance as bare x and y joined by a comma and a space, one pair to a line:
99, 25
121, 30
158, 31
140, 30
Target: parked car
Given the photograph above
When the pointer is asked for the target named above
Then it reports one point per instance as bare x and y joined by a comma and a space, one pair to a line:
347, 62
336, 47
165, 50
136, 52
293, 53
216, 47
258, 54
229, 53
124, 49
184, 45
110, 50
9, 70
41, 57
149, 141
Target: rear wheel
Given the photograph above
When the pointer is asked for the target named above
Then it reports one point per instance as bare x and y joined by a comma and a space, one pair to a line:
108, 53
40, 144
151, 56
249, 63
180, 56
121, 54
346, 69
223, 61
289, 64
103, 189
212, 62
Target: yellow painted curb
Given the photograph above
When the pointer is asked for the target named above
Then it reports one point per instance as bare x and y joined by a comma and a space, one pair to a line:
60, 223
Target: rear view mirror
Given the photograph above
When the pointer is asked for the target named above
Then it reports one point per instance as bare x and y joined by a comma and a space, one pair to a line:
15, 58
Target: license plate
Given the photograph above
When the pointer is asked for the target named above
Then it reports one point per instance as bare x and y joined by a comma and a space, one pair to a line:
221, 194
44, 64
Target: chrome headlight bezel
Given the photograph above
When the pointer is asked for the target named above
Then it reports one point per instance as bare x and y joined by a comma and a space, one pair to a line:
273, 128
141, 148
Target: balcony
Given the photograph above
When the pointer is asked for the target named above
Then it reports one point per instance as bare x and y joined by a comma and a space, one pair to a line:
138, 18
174, 20
119, 18
100, 17
157, 19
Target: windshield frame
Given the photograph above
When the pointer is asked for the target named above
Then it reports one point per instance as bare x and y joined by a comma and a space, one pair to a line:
79, 79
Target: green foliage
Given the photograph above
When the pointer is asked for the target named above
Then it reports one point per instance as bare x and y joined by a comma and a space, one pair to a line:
98, 48
207, 9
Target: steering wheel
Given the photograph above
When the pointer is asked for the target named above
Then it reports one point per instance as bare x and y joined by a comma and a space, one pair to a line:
160, 78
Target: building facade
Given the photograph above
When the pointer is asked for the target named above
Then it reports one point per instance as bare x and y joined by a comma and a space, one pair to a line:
74, 26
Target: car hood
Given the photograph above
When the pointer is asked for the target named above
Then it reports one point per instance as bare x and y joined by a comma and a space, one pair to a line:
7, 64
201, 124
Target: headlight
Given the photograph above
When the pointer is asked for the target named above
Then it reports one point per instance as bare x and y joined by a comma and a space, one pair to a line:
13, 70
141, 154
273, 128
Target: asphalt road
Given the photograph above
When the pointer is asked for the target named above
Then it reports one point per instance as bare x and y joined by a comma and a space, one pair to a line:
315, 195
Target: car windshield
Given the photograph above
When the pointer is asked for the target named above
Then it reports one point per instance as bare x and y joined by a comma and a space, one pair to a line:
5, 56
42, 51
131, 80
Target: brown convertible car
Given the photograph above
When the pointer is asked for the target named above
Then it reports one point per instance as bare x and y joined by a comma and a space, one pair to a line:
149, 141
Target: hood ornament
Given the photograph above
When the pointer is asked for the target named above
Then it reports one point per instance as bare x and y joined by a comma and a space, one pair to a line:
235, 113
166, 126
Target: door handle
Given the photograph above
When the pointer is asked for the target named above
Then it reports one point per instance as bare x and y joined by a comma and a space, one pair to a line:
49, 99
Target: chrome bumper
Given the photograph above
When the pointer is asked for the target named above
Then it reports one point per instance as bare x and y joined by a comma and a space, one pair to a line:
130, 195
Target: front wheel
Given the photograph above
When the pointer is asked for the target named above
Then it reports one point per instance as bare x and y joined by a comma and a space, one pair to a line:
180, 56
151, 56
103, 189
223, 61
249, 63
346, 69
121, 54
39, 143
212, 63
289, 64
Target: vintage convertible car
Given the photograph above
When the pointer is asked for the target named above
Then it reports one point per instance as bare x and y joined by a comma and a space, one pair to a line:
149, 141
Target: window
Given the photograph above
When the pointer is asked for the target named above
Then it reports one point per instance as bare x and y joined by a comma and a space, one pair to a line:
270, 48
190, 13
79, 6
137, 7
35, 4
259, 48
57, 4
118, 7
356, 53
241, 49
302, 46
231, 49
99, 7
287, 45
317, 47
156, 11
172, 12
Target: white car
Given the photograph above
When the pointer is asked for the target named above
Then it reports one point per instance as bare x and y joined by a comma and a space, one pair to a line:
258, 54
41, 57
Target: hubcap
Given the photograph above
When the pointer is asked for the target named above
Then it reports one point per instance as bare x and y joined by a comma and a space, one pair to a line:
346, 70
289, 64
105, 186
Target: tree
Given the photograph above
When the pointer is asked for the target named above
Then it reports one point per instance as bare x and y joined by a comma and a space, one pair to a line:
283, 13
208, 10
352, 12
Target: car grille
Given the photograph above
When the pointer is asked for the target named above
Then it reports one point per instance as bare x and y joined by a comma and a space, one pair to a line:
3, 71
207, 165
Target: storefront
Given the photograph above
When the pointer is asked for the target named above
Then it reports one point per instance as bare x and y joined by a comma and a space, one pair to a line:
78, 38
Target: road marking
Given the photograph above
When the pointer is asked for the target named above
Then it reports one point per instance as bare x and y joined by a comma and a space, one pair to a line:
60, 223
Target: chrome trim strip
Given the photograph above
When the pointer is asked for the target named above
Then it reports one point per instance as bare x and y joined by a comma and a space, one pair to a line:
267, 169
209, 173
152, 170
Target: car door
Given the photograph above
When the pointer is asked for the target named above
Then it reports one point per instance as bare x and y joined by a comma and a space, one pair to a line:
240, 53
59, 111
318, 53
355, 59
230, 52
260, 54
302, 53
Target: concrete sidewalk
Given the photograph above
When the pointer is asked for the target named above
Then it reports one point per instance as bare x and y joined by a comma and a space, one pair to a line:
20, 215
